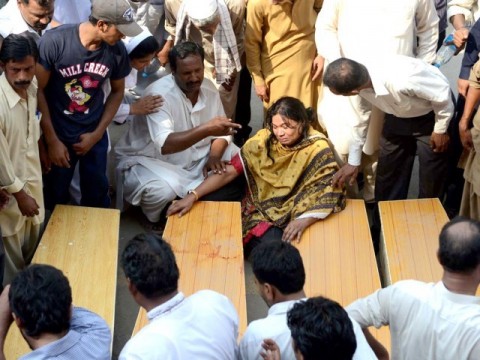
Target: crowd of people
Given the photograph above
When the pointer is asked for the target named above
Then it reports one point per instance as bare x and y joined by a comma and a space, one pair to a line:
347, 87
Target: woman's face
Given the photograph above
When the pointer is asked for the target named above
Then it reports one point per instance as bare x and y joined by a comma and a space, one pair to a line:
287, 131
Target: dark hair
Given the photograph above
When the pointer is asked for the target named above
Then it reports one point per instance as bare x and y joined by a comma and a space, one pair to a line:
459, 245
148, 261
93, 20
182, 50
42, 3
293, 109
147, 46
17, 47
41, 297
345, 75
279, 264
321, 329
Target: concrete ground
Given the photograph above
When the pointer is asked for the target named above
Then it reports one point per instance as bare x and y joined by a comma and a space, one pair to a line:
126, 310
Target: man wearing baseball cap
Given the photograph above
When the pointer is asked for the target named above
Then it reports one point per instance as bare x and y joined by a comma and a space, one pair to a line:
75, 61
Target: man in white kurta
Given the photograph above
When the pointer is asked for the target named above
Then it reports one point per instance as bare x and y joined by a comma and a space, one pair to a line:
20, 171
364, 30
435, 321
152, 177
18, 17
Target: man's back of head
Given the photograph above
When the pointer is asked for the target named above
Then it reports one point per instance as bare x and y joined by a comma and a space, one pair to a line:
345, 76
279, 264
149, 264
321, 329
41, 298
459, 245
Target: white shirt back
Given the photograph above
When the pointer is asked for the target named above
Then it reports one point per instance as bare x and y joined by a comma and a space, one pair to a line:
426, 320
201, 326
274, 326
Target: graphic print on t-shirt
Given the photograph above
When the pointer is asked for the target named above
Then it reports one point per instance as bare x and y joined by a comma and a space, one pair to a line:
77, 96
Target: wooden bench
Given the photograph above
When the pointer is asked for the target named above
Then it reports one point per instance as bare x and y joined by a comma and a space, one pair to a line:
409, 241
207, 242
339, 259
83, 243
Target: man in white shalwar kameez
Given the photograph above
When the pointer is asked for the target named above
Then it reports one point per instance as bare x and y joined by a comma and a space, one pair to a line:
166, 155
364, 31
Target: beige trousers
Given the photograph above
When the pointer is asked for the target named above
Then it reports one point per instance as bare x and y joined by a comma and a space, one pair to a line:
19, 249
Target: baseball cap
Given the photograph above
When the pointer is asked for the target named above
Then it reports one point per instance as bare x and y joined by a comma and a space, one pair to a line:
118, 13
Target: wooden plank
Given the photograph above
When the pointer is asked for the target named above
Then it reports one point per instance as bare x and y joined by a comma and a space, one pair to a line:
208, 246
339, 259
409, 242
83, 243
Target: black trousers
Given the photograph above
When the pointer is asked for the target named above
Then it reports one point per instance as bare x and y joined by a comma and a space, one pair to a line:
401, 140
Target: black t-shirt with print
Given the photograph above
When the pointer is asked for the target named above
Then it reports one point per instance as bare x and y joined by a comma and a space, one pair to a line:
74, 92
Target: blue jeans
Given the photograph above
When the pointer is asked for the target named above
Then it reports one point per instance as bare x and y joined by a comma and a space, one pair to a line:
93, 178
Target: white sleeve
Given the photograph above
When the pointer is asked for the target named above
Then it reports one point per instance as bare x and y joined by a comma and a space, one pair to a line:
359, 129
426, 20
326, 26
456, 7
430, 84
372, 310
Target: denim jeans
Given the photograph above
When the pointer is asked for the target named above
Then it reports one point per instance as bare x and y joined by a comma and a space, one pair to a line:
93, 178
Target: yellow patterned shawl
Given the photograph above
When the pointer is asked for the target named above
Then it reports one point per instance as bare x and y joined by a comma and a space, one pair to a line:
297, 182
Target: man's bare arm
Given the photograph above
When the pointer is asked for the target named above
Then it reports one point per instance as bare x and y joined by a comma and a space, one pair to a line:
179, 141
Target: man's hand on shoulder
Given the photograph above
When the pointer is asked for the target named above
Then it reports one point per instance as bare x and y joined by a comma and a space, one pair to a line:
346, 174
146, 105
272, 351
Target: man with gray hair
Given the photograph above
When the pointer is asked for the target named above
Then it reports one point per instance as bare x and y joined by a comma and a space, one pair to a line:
217, 25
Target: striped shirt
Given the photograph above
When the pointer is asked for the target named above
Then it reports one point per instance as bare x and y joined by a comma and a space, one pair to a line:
89, 338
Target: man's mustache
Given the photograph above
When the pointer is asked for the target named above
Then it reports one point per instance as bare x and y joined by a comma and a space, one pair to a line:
26, 82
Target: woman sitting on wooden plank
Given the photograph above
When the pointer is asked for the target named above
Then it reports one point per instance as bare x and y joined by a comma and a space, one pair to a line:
289, 169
